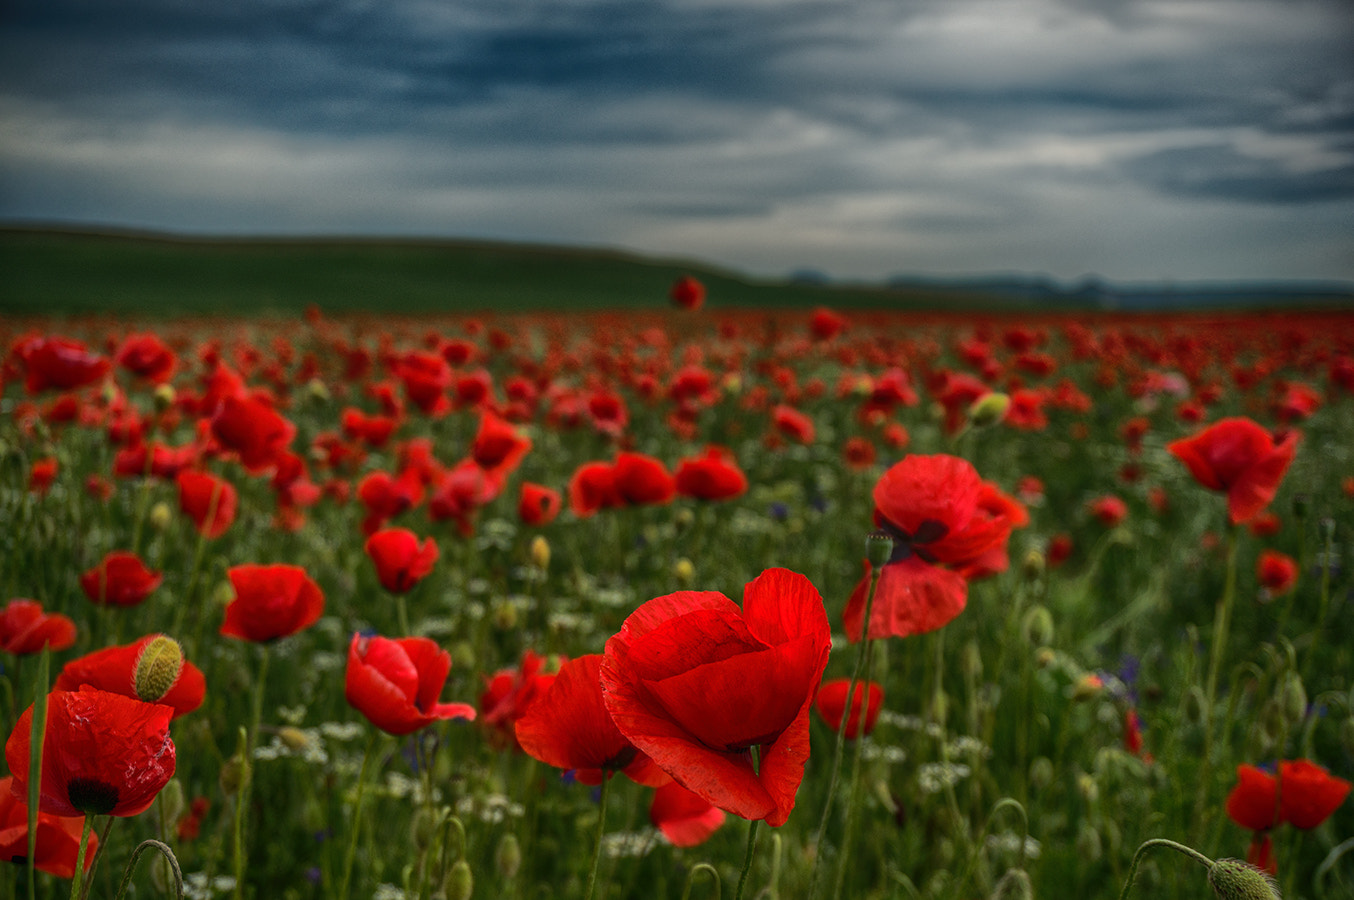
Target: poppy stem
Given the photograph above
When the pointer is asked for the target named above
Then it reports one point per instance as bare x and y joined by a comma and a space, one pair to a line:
841, 728
37, 736
1221, 620
357, 815
597, 844
98, 855
747, 860
691, 877
77, 881
247, 773
1160, 842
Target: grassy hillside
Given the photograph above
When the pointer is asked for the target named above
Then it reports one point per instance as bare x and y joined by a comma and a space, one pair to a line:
60, 272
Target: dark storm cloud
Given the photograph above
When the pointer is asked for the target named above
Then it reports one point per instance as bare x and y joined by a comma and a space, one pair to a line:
860, 137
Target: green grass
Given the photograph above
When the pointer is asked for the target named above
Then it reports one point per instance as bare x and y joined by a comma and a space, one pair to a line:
68, 272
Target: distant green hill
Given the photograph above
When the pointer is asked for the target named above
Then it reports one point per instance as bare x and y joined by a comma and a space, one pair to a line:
55, 271
50, 271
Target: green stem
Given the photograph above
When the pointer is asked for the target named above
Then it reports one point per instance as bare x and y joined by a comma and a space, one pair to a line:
98, 854
747, 859
357, 815
839, 751
37, 736
247, 773
1160, 842
691, 877
166, 853
597, 843
1310, 653
1221, 620
78, 880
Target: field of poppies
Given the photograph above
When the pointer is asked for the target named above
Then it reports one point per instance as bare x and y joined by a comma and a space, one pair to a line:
548, 606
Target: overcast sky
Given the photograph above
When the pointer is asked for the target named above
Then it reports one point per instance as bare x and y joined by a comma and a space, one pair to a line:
1183, 139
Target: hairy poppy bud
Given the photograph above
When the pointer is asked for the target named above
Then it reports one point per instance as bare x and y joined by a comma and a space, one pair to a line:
1088, 843
423, 827
1034, 565
170, 803
684, 571
157, 668
508, 857
1037, 626
505, 616
1272, 724
160, 516
878, 548
460, 883
1232, 879
1293, 698
232, 774
989, 409
683, 519
316, 391
1014, 885
540, 552
1041, 772
164, 397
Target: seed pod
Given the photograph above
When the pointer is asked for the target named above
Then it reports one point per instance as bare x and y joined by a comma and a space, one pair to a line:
878, 548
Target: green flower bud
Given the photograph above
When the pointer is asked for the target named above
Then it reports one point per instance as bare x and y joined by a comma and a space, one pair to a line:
508, 857
1232, 879
1037, 626
540, 552
423, 827
157, 668
160, 516
1293, 698
989, 409
1014, 885
684, 571
232, 775
1088, 844
1041, 772
164, 397
505, 616
460, 883
1033, 565
316, 391
170, 803
1302, 505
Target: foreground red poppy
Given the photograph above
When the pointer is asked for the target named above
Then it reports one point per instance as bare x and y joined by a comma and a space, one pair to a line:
698, 684
104, 754
396, 683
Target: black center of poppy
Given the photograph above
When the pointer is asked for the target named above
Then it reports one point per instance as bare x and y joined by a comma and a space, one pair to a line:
905, 545
91, 796
621, 760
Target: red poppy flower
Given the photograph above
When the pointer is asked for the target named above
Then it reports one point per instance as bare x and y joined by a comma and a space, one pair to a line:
254, 430
113, 669
571, 729
858, 453
687, 292
948, 526
498, 445
400, 562
426, 377
122, 579
271, 602
1059, 549
792, 423
209, 501
461, 492
641, 480
386, 496
608, 414
1108, 511
684, 817
374, 431
25, 628
60, 363
714, 475
830, 702
145, 355
537, 504
1308, 797
396, 683
58, 844
1260, 853
1276, 572
41, 474
509, 694
696, 683
103, 754
1238, 457
1132, 732
593, 487
826, 324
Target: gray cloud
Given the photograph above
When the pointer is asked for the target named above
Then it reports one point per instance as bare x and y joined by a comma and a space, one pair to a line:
862, 138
